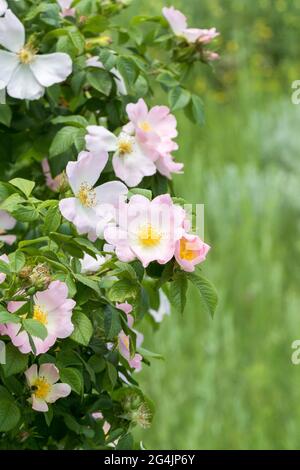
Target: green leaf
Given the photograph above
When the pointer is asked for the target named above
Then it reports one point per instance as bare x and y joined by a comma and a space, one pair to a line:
123, 290
5, 114
128, 69
141, 191
9, 411
26, 186
75, 121
35, 328
7, 317
87, 281
11, 203
207, 292
16, 362
64, 139
95, 24
73, 377
83, 328
52, 220
178, 288
112, 373
150, 354
77, 40
167, 79
17, 261
4, 267
112, 322
197, 110
178, 98
25, 213
101, 80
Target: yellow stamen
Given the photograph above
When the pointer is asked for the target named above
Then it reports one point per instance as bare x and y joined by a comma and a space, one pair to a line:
26, 55
149, 237
125, 147
185, 250
87, 195
41, 388
145, 126
40, 315
126, 341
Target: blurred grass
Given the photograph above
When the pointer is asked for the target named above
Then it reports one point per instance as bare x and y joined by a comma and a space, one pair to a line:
229, 383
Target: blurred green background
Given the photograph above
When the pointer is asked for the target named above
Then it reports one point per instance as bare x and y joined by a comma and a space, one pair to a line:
229, 383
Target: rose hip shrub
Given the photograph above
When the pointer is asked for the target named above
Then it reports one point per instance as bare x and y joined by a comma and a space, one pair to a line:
93, 239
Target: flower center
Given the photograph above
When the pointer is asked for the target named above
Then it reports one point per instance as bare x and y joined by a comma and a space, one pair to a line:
126, 342
41, 388
145, 126
26, 55
148, 236
87, 195
40, 315
125, 147
2, 232
185, 252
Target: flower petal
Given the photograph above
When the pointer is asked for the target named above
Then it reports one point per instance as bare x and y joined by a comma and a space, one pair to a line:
9, 62
31, 374
86, 170
99, 139
112, 192
175, 18
23, 84
12, 32
58, 391
39, 405
51, 68
3, 7
7, 222
50, 372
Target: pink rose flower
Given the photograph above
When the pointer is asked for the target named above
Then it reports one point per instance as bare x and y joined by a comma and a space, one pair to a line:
65, 6
190, 251
129, 161
91, 208
147, 230
178, 24
135, 362
7, 222
45, 388
3, 275
154, 129
53, 309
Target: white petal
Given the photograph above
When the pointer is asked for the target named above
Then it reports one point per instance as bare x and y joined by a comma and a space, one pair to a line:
112, 192
86, 170
50, 372
120, 83
7, 222
8, 64
23, 85
99, 139
3, 7
31, 374
12, 32
51, 68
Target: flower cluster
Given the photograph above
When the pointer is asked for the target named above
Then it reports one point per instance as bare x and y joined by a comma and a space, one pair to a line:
93, 238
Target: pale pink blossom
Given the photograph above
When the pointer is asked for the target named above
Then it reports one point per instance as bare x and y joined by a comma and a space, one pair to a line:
130, 162
3, 275
89, 264
44, 386
53, 309
190, 251
135, 362
119, 80
127, 308
91, 208
52, 183
178, 24
167, 166
7, 222
147, 230
65, 6
154, 129
24, 73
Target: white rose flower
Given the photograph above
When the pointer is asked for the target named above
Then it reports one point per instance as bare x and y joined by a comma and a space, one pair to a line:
24, 73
